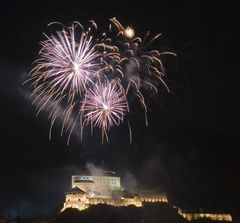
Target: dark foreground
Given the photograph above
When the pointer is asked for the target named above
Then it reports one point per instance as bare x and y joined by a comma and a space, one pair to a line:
104, 214
149, 213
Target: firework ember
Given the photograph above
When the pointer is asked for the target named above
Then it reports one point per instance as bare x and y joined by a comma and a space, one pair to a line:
139, 67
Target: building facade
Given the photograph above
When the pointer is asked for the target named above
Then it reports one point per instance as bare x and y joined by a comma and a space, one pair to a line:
101, 186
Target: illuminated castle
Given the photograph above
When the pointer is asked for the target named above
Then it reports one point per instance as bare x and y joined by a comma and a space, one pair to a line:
105, 189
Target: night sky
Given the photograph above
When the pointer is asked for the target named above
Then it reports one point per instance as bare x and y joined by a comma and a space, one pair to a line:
190, 148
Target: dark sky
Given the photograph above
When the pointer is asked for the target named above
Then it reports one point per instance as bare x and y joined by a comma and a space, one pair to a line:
191, 147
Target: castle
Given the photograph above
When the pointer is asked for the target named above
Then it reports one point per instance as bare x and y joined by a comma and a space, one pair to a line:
104, 189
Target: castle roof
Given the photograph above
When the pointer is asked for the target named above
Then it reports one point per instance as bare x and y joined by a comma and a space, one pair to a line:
75, 190
84, 181
102, 173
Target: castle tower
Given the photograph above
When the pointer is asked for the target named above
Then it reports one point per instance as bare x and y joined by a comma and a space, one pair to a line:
75, 198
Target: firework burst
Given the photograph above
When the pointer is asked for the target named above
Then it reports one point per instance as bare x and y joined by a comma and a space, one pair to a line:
69, 62
65, 63
104, 106
85, 77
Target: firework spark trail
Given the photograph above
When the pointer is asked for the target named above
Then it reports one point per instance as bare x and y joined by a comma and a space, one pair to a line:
104, 106
139, 67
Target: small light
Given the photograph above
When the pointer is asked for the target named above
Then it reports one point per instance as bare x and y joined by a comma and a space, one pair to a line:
105, 107
129, 32
75, 67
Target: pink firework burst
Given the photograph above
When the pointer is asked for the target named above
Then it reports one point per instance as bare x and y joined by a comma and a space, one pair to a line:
104, 106
66, 64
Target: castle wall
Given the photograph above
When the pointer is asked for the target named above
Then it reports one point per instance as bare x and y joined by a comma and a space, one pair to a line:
76, 197
153, 198
75, 200
80, 205
197, 216
116, 202
81, 201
